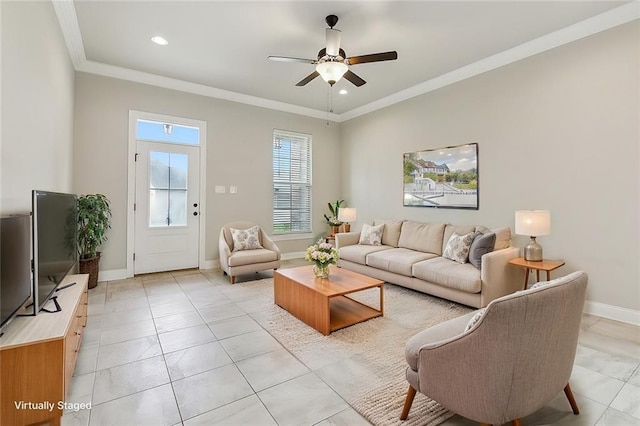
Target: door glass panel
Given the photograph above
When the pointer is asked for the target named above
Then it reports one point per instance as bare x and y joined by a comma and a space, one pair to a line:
178, 171
168, 173
167, 132
178, 207
158, 207
159, 170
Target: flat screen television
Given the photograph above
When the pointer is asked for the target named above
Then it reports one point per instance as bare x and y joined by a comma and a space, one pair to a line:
15, 265
54, 242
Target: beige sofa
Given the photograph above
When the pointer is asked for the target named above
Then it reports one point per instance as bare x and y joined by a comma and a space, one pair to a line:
410, 255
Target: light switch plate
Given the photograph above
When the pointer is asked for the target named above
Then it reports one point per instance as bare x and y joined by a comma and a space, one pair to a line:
233, 190
220, 189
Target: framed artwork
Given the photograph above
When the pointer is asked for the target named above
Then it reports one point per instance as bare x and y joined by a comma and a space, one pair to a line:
442, 178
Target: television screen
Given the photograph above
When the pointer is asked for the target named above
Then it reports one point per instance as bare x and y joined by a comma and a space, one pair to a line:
54, 242
15, 265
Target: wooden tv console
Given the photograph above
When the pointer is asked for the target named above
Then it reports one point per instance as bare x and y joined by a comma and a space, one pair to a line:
38, 355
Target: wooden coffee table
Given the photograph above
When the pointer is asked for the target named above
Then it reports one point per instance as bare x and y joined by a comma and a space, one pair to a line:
322, 302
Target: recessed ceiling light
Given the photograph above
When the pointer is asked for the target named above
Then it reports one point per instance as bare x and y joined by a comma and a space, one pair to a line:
343, 92
159, 40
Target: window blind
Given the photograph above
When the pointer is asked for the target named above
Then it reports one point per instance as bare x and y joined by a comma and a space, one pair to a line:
291, 182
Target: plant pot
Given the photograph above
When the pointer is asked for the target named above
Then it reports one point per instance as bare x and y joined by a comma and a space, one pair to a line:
334, 230
90, 266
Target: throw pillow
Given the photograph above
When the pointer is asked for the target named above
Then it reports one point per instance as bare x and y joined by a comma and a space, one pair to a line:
481, 245
503, 236
475, 319
458, 247
246, 239
546, 283
371, 235
391, 232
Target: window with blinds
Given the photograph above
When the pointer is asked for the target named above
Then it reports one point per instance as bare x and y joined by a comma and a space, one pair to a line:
291, 182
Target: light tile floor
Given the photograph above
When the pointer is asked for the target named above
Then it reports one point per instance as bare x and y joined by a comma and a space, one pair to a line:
188, 348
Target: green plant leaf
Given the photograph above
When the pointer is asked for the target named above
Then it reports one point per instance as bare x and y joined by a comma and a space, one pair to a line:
94, 217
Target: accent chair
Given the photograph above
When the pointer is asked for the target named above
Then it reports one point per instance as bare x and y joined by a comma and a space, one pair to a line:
236, 260
510, 361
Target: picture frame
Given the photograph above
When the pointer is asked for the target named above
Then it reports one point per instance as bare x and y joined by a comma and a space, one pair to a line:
442, 178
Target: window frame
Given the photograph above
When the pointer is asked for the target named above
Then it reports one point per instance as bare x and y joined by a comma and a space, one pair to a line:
305, 183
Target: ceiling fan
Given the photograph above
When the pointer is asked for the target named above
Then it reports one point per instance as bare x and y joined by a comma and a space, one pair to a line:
332, 63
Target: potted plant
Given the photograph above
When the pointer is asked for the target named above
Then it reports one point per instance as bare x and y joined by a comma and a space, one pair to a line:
94, 217
332, 220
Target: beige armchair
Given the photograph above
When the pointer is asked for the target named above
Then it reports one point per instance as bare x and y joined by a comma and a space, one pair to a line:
511, 363
234, 263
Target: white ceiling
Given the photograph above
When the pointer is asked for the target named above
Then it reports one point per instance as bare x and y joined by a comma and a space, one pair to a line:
224, 45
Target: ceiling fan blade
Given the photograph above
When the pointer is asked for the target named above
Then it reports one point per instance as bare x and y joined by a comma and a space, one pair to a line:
288, 59
374, 57
307, 78
333, 41
354, 78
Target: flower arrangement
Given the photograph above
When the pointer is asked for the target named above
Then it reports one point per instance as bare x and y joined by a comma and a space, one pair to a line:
322, 255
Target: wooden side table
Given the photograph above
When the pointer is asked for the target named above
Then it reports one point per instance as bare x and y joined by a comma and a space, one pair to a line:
543, 265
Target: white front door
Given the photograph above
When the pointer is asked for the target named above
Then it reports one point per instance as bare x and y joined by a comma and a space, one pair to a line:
167, 221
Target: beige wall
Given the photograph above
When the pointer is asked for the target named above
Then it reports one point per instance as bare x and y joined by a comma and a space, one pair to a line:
37, 105
557, 131
238, 153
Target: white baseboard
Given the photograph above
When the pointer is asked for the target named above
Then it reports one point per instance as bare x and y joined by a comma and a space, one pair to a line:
293, 255
211, 264
121, 274
112, 275
612, 312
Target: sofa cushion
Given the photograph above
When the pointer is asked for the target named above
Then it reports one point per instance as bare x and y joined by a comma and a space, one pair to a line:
249, 257
481, 245
436, 333
246, 239
450, 274
357, 253
458, 246
424, 237
371, 235
391, 232
397, 260
503, 236
460, 230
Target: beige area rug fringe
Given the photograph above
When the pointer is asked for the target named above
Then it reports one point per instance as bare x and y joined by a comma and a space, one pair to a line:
376, 345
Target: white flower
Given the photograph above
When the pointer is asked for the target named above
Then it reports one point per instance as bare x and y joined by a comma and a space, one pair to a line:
322, 254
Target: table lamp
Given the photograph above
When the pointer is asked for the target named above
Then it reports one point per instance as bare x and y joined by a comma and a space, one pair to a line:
346, 215
533, 223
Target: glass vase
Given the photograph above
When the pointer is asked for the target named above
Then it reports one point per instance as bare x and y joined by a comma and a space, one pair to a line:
321, 271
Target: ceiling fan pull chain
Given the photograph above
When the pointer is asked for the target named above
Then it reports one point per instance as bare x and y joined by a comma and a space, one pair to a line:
331, 99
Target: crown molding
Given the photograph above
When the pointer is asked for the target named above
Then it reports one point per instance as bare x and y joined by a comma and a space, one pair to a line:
66, 13
68, 19
106, 70
613, 18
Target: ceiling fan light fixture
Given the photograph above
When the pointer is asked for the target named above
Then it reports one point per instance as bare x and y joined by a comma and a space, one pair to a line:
333, 41
332, 71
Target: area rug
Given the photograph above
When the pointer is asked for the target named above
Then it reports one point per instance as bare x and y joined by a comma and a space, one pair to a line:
374, 349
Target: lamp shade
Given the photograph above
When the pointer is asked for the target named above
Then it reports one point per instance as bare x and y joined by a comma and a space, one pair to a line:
347, 214
331, 71
533, 222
